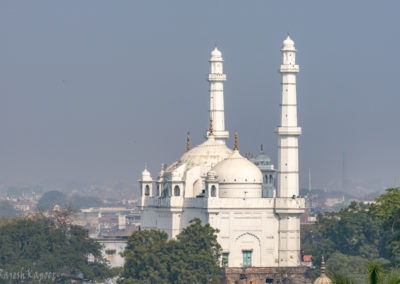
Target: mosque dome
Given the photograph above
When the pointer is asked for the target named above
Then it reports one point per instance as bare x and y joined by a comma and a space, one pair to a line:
205, 155
323, 279
238, 177
237, 169
262, 161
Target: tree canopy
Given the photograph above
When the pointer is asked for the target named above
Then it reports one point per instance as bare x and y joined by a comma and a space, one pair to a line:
193, 257
356, 235
51, 198
387, 209
38, 245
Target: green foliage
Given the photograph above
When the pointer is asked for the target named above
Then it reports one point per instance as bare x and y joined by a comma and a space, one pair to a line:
374, 273
340, 279
51, 198
7, 210
393, 277
146, 257
200, 253
387, 209
192, 258
343, 267
353, 231
40, 245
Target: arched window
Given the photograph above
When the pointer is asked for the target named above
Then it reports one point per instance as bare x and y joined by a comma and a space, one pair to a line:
177, 191
266, 178
147, 190
213, 191
270, 178
158, 189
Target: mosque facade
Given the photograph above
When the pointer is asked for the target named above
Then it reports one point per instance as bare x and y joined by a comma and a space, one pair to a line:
259, 226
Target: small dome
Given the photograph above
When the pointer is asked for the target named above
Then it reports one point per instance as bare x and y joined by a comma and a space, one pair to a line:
216, 52
237, 169
261, 159
288, 44
216, 55
146, 176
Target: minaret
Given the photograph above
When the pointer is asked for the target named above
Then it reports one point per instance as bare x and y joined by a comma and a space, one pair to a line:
216, 79
288, 132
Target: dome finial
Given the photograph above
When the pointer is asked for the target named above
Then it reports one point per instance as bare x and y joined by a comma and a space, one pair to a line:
188, 142
211, 128
145, 165
236, 141
261, 148
323, 279
322, 266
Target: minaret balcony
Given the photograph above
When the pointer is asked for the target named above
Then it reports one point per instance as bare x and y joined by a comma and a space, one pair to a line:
216, 77
289, 68
288, 131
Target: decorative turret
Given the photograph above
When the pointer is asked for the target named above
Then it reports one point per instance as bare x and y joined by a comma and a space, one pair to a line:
263, 162
146, 182
212, 186
216, 79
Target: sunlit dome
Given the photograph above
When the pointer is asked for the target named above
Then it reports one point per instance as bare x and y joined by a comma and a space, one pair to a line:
237, 169
205, 155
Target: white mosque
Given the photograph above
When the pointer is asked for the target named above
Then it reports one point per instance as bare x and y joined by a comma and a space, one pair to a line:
258, 225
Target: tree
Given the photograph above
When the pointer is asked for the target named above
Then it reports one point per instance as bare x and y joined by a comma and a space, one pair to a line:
353, 231
51, 198
193, 257
374, 272
348, 267
387, 209
39, 245
199, 253
146, 258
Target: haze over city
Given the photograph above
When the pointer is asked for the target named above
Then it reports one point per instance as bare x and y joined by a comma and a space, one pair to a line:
92, 90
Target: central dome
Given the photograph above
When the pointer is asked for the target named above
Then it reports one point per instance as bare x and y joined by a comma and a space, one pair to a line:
238, 177
205, 155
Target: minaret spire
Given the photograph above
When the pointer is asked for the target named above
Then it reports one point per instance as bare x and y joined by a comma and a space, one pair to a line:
210, 130
236, 142
188, 142
288, 132
216, 79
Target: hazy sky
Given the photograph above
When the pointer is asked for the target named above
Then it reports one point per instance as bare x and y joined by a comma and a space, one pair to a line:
91, 90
